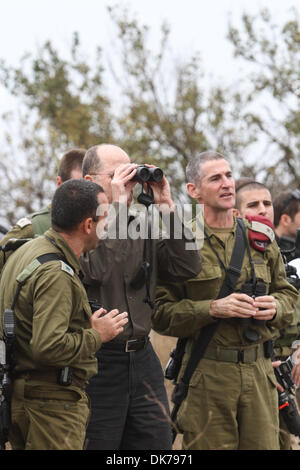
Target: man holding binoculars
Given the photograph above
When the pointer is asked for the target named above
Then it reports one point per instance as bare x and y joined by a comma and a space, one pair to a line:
128, 398
230, 400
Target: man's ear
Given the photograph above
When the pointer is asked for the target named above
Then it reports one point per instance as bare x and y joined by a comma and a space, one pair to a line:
193, 190
236, 212
88, 178
87, 225
285, 220
58, 181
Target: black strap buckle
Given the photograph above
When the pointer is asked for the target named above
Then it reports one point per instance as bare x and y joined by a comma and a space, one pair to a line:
134, 344
240, 357
234, 271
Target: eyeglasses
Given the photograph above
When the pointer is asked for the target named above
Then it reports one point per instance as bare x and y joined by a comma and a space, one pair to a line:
294, 195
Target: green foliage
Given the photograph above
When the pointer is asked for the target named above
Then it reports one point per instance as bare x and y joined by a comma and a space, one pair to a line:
67, 95
61, 105
168, 112
161, 109
272, 55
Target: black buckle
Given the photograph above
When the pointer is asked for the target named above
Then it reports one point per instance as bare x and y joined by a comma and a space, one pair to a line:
240, 356
234, 271
129, 347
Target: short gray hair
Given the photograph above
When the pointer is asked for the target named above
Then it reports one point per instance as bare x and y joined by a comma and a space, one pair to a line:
194, 166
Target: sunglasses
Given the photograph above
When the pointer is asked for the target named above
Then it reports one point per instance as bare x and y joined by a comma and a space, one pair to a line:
294, 195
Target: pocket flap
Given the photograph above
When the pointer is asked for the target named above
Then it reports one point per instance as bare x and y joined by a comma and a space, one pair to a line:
207, 272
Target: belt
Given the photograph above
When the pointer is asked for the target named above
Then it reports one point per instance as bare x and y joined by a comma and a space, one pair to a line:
48, 376
245, 356
130, 345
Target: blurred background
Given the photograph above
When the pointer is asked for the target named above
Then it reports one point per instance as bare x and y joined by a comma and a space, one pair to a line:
163, 79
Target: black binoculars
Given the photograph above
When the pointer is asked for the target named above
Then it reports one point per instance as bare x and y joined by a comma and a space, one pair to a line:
144, 174
253, 290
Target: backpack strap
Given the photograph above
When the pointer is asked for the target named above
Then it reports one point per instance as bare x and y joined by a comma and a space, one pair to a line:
31, 268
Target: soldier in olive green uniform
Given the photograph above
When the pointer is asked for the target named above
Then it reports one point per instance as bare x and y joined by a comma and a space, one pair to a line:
287, 221
254, 198
38, 222
55, 328
232, 398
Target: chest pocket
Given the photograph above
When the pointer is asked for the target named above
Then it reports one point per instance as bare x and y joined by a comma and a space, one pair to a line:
262, 272
81, 312
87, 310
206, 285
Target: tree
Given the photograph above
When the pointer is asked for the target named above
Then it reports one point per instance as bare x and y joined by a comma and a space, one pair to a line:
162, 110
61, 104
169, 111
272, 54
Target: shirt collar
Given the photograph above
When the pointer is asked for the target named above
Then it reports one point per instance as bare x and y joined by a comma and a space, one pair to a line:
210, 231
66, 250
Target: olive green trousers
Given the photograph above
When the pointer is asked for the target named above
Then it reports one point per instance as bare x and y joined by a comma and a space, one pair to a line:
231, 406
46, 416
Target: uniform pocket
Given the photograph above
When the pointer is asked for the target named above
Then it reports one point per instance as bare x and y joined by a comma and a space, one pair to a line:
262, 272
188, 414
57, 419
206, 284
37, 391
272, 379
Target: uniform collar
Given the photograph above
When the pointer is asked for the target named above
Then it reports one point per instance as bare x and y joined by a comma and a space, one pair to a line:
210, 230
63, 246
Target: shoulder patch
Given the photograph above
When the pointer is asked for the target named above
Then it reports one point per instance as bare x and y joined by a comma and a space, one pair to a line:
261, 232
23, 222
65, 267
263, 228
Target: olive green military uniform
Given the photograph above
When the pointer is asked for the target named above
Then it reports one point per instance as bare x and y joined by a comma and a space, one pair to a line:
52, 331
282, 349
286, 336
28, 227
232, 400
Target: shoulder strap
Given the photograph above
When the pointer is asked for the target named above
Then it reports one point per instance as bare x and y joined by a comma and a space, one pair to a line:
233, 272
29, 270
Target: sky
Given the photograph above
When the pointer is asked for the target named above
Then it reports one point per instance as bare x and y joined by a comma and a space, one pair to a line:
195, 25
198, 25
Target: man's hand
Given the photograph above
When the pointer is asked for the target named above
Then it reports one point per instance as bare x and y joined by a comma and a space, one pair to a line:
296, 374
278, 386
109, 325
234, 305
122, 184
162, 193
266, 307
296, 368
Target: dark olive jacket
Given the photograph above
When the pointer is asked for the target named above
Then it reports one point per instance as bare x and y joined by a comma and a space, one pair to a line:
111, 267
52, 311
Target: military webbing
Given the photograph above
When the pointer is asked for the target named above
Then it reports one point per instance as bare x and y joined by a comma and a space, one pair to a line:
26, 273
233, 272
9, 340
